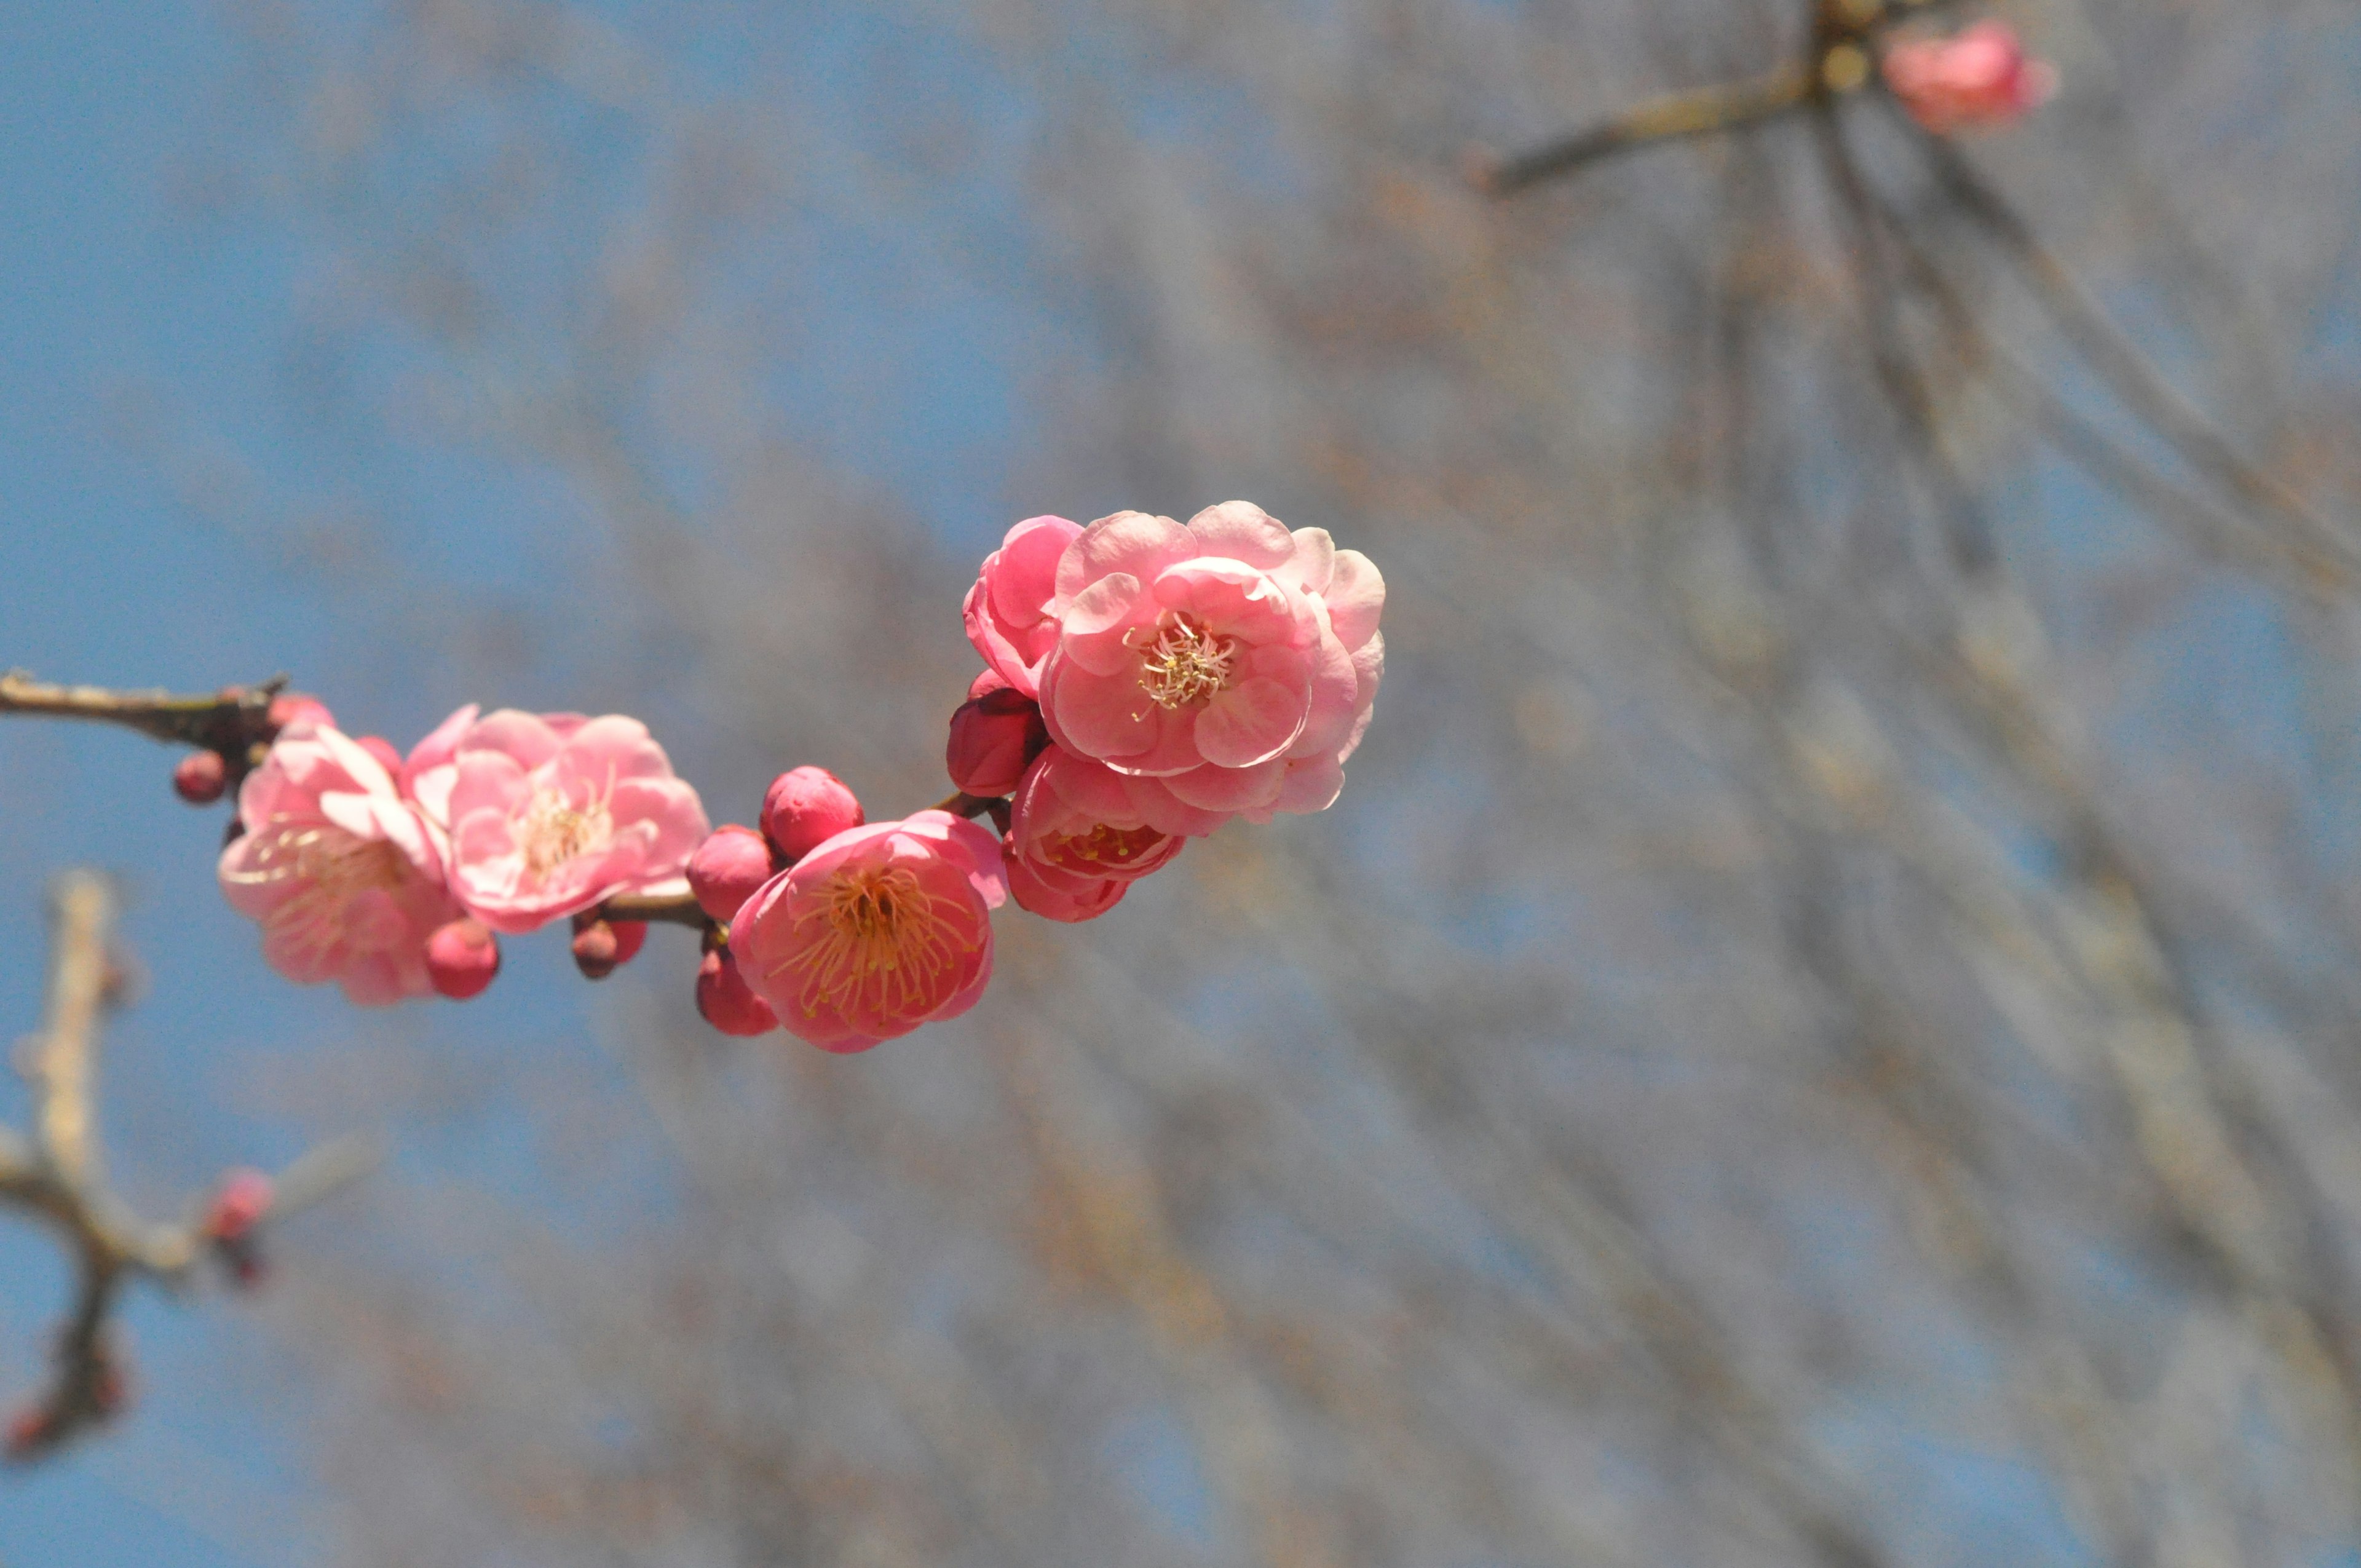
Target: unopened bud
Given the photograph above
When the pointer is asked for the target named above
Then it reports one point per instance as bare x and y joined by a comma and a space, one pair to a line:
994, 737
241, 1204
727, 869
200, 777
602, 946
462, 958
806, 806
725, 1001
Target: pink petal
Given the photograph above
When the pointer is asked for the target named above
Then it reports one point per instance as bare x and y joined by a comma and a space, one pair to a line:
1130, 541
1242, 531
1251, 722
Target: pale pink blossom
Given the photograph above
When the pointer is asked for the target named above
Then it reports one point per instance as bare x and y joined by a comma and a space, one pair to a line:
1980, 77
1076, 838
550, 814
878, 931
1008, 611
1232, 663
343, 875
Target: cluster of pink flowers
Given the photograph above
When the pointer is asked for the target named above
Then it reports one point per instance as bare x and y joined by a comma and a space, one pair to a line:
390, 874
1146, 682
1978, 78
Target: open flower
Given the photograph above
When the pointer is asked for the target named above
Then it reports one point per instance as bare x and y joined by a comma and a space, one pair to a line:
341, 871
1077, 840
875, 932
1009, 612
1980, 77
1231, 660
548, 815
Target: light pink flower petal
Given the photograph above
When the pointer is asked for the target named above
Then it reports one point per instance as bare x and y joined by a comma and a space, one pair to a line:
1105, 716
1243, 532
1313, 562
1027, 576
1130, 541
442, 745
1229, 789
1355, 597
1251, 722
487, 781
1166, 812
1091, 633
527, 739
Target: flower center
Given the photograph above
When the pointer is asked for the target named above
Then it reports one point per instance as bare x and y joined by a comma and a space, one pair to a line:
1179, 660
555, 830
1109, 846
873, 943
330, 868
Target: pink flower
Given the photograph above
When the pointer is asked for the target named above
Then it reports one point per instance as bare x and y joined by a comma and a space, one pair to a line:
996, 735
1980, 77
878, 931
1008, 611
1076, 838
344, 874
551, 814
1231, 660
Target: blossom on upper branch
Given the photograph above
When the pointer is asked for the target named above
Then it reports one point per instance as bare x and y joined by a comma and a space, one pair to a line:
547, 814
345, 875
1230, 663
875, 932
1980, 77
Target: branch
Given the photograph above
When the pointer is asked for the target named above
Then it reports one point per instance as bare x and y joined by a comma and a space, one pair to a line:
1674, 116
229, 722
56, 1175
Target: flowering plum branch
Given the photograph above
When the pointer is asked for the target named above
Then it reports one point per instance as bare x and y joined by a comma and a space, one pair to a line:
1146, 682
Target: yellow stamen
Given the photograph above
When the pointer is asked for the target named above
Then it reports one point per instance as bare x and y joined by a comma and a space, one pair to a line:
873, 942
1180, 661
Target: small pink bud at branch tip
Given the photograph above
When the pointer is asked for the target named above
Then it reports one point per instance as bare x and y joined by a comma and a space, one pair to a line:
602, 946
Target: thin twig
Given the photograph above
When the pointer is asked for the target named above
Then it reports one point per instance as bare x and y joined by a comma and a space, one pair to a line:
227, 721
1674, 116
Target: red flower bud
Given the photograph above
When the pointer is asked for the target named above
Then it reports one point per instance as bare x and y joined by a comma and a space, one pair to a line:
725, 1001
200, 777
462, 957
806, 806
728, 869
241, 1204
995, 738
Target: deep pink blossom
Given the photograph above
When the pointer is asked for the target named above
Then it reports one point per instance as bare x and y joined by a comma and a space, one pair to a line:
1232, 661
549, 814
878, 931
342, 873
725, 1001
1009, 612
1077, 840
1980, 77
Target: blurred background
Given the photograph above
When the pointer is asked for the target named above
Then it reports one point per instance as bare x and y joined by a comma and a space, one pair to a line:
1821, 1031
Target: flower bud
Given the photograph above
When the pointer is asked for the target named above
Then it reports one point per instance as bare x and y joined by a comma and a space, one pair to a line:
462, 957
728, 869
239, 1204
806, 806
380, 748
296, 708
995, 738
725, 1001
200, 777
602, 946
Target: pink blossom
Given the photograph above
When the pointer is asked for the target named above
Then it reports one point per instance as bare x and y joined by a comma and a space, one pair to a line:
878, 931
1980, 77
1008, 611
1076, 838
996, 735
342, 873
725, 1001
550, 814
1232, 661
